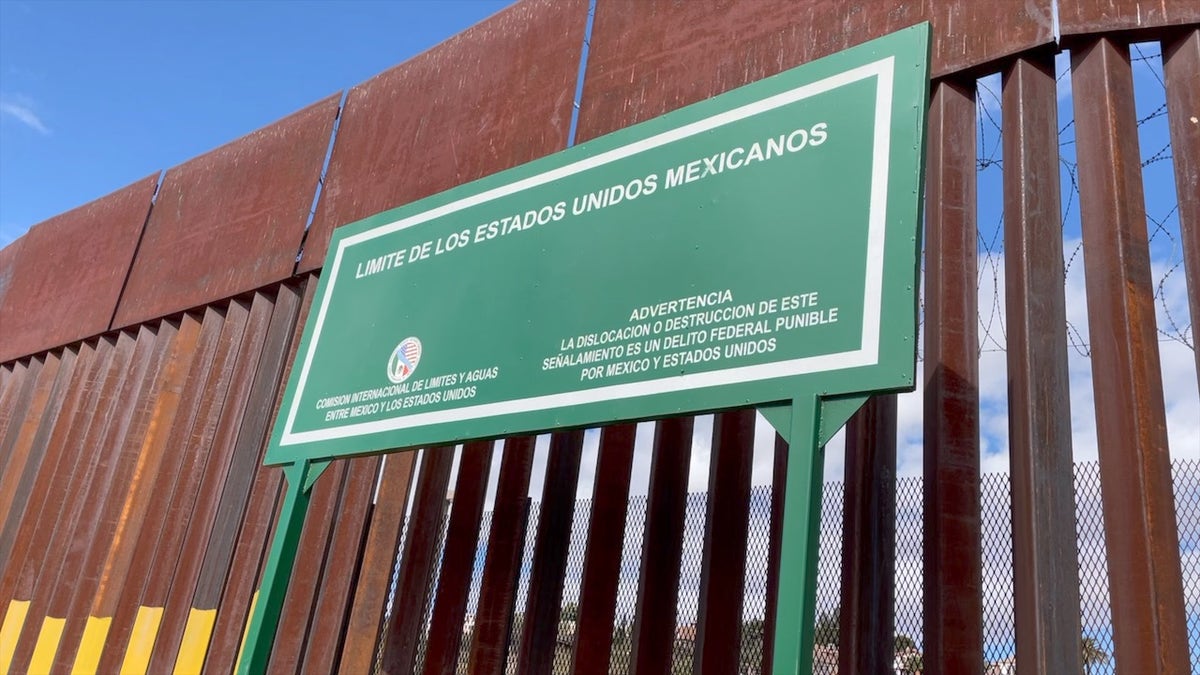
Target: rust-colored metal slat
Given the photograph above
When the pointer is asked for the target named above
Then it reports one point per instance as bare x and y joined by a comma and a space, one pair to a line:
294, 617
180, 549
245, 571
158, 547
383, 538
240, 585
869, 539
606, 538
539, 638
154, 467
723, 570
662, 547
126, 565
61, 554
331, 610
458, 559
17, 381
21, 459
778, 485
1181, 67
56, 472
498, 589
953, 547
421, 546
1045, 565
1145, 582
32, 402
249, 424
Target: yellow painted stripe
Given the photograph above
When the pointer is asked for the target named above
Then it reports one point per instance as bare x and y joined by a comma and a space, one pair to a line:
87, 659
47, 645
10, 632
141, 641
246, 628
195, 641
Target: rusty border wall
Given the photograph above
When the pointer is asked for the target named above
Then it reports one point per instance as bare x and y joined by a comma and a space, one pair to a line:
144, 337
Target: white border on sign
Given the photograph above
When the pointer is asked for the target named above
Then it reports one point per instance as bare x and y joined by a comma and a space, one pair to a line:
866, 355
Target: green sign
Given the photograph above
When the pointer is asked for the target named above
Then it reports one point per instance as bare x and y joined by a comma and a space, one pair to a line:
730, 253
759, 248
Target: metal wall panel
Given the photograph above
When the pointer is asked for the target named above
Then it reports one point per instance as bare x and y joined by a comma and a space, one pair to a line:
651, 57
231, 220
493, 97
61, 281
1081, 17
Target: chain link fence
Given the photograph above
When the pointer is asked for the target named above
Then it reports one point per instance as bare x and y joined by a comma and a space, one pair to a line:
998, 620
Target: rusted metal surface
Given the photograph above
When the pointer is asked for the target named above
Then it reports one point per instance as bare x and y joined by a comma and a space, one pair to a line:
866, 634
723, 569
25, 443
126, 507
498, 588
244, 426
662, 547
1181, 66
458, 558
952, 550
1142, 541
159, 543
490, 98
539, 638
778, 485
231, 220
606, 537
52, 564
1045, 563
418, 562
383, 537
648, 58
15, 380
1083, 17
331, 611
21, 402
290, 638
244, 573
64, 278
48, 489
177, 553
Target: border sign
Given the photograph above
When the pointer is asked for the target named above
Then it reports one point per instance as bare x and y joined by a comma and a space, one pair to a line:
757, 248
729, 253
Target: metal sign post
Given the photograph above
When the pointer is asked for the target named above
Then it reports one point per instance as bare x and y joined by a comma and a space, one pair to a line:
759, 248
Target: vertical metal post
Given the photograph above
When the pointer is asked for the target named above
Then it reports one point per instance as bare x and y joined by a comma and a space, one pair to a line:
1181, 66
1149, 622
265, 619
801, 527
1046, 573
953, 546
869, 540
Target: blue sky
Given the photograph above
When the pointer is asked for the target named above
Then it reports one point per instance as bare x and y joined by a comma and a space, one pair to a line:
95, 95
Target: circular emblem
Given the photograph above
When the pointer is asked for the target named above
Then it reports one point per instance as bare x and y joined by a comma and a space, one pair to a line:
404, 360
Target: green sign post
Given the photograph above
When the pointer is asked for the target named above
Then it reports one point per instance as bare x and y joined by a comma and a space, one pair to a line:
758, 248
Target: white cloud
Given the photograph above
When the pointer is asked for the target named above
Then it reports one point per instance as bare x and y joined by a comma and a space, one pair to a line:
21, 109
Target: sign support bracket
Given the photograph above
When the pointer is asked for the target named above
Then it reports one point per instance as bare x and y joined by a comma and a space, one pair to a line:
263, 623
812, 422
